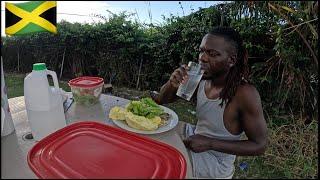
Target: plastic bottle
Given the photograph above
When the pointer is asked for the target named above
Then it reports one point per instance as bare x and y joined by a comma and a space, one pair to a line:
43, 103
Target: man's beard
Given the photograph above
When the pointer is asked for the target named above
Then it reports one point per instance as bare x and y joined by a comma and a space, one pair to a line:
206, 78
214, 76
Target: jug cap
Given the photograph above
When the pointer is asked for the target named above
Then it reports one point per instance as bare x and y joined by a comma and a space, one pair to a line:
39, 66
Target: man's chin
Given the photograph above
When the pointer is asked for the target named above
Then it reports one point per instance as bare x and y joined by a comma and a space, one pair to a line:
205, 77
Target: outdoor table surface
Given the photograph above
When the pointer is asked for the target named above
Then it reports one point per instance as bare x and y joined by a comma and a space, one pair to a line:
15, 147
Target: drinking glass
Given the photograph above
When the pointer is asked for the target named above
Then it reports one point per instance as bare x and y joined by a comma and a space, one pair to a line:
187, 89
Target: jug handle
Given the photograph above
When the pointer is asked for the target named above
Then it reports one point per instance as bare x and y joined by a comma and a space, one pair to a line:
55, 79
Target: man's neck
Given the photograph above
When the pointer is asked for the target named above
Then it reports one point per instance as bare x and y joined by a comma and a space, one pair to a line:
219, 82
214, 87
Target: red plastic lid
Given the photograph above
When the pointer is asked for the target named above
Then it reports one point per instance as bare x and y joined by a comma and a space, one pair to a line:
86, 81
96, 150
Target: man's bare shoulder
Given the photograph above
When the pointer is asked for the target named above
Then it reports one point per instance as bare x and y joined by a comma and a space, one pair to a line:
247, 94
246, 90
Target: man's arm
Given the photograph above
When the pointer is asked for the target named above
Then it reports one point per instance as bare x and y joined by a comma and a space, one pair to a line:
167, 94
168, 91
253, 123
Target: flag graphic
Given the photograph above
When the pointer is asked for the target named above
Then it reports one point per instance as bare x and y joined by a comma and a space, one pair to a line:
30, 17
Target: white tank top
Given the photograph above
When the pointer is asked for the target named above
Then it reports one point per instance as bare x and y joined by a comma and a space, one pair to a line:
210, 123
210, 117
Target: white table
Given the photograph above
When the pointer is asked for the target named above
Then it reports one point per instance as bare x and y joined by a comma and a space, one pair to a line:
15, 147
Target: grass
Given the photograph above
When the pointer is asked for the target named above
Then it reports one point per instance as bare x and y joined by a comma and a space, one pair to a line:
14, 83
292, 153
292, 149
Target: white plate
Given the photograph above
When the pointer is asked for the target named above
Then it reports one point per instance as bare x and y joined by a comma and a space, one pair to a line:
172, 122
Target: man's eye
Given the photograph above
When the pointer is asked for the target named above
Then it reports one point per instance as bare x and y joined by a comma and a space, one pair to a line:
212, 53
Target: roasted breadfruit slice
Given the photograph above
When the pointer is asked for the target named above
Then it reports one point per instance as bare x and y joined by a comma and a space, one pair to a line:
140, 122
118, 113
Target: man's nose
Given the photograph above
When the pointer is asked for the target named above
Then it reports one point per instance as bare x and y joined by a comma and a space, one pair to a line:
203, 57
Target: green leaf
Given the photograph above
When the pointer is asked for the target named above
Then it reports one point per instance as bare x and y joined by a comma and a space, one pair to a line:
287, 9
145, 107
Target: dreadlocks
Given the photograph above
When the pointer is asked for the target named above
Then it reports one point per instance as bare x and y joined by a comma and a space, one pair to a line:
238, 73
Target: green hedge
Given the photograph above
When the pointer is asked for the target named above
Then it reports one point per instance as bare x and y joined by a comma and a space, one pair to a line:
131, 54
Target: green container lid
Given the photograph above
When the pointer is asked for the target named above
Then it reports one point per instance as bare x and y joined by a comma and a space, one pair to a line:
39, 66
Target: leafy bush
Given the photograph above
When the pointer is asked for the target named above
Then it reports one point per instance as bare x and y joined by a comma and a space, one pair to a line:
281, 38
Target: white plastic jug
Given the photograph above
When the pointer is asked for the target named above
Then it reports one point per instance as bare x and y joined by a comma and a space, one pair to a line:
43, 103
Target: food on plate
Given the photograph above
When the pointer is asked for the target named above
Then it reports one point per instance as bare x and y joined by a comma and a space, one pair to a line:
140, 122
118, 113
145, 107
143, 115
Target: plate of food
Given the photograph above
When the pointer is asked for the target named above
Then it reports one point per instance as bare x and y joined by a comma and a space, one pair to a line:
144, 117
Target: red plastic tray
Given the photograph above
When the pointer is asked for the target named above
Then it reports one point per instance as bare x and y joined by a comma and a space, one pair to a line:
94, 150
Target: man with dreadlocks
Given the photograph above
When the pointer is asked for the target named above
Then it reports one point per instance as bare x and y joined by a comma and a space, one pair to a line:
227, 106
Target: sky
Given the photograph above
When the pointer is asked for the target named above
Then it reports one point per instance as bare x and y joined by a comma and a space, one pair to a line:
83, 11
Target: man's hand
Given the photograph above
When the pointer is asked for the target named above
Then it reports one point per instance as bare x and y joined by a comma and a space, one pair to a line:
179, 76
197, 143
168, 91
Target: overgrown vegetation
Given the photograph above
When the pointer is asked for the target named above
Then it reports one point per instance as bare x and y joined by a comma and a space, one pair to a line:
282, 41
281, 38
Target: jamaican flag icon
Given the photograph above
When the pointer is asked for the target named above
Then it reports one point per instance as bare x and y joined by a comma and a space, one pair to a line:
30, 17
